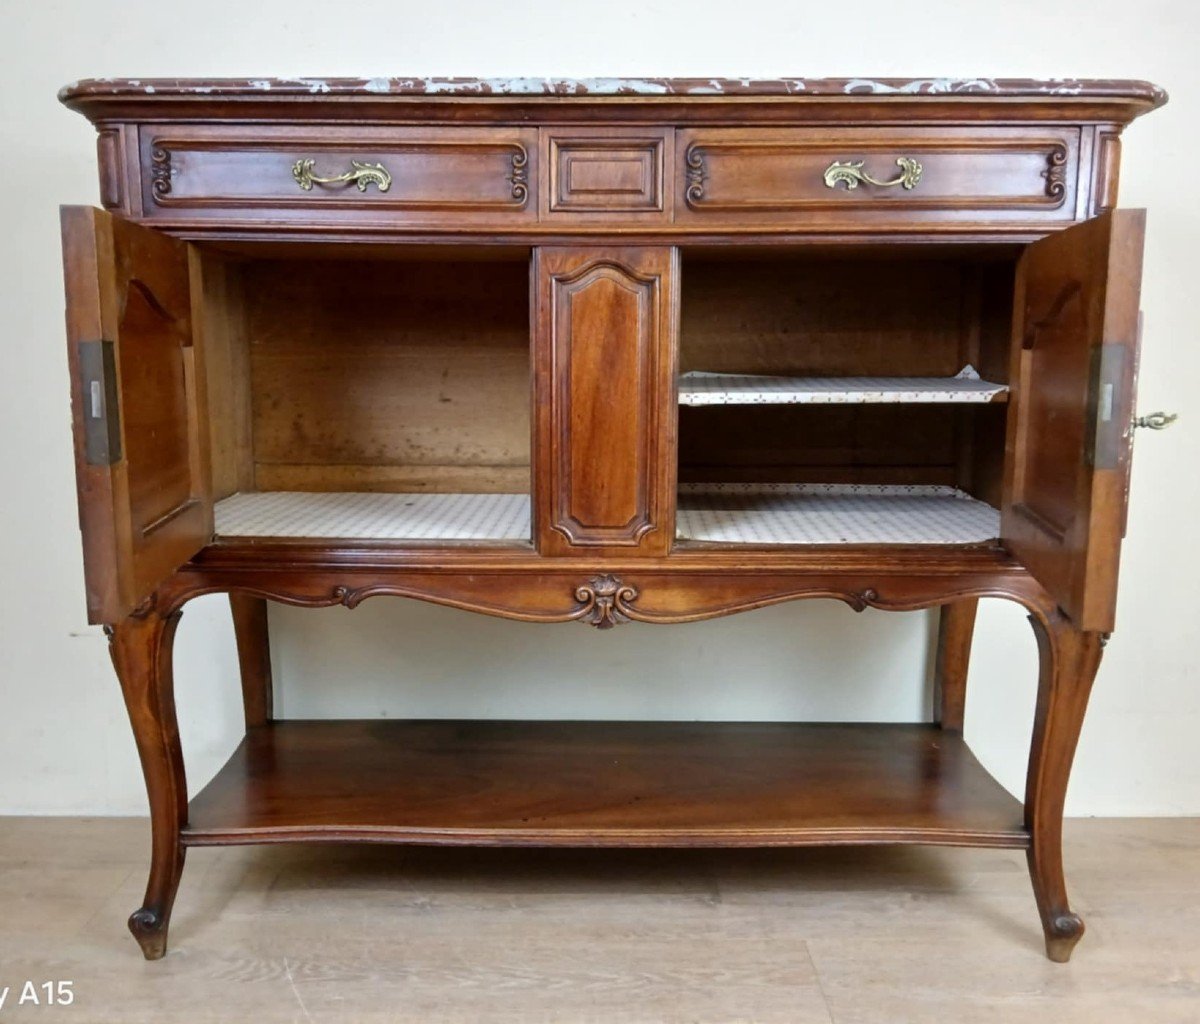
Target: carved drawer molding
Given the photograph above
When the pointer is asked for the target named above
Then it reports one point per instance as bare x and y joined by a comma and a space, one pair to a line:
606, 175
593, 174
605, 379
431, 175
876, 176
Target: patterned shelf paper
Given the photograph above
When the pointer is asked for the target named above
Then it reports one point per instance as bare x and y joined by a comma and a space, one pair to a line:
833, 514
701, 388
494, 517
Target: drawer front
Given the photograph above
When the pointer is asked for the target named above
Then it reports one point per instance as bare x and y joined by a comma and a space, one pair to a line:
606, 174
871, 177
394, 177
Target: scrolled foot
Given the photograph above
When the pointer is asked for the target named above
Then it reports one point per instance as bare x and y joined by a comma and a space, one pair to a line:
1062, 933
150, 930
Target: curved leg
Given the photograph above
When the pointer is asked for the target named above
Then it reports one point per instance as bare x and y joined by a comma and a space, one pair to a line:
254, 657
141, 653
955, 631
1069, 660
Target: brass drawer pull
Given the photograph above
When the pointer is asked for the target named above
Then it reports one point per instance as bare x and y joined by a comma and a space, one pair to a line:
362, 174
1156, 420
850, 173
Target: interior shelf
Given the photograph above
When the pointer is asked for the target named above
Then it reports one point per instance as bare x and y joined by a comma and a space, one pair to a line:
699, 388
603, 783
833, 514
375, 516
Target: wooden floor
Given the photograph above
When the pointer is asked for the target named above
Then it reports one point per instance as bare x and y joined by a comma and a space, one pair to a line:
363, 934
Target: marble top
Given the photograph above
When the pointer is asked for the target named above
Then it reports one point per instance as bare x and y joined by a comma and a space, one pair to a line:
625, 87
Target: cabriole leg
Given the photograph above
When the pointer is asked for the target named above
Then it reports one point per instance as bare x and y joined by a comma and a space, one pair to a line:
254, 657
1069, 659
141, 653
955, 630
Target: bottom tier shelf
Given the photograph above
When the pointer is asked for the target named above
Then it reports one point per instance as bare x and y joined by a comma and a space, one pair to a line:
506, 783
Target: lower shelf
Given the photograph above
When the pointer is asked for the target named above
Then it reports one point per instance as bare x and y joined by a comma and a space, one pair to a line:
507, 783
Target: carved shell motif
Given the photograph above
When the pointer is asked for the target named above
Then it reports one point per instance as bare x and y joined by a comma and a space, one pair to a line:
605, 601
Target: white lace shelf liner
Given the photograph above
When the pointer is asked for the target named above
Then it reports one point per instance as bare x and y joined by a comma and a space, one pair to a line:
372, 516
702, 388
833, 514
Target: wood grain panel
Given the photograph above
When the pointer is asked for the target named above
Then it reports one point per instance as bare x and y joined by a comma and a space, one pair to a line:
833, 316
393, 376
777, 176
606, 171
148, 509
227, 362
605, 382
612, 784
1070, 425
818, 444
464, 176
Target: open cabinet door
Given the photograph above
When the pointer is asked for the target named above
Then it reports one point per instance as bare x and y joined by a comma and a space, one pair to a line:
137, 404
1070, 426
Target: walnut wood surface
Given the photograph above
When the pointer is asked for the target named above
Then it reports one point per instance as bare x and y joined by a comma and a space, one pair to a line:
254, 657
956, 629
141, 649
614, 175
346, 339
772, 178
439, 176
604, 783
150, 510
1064, 501
1070, 659
388, 375
604, 372
997, 155
803, 314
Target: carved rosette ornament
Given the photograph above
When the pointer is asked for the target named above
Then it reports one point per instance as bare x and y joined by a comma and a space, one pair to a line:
1056, 172
605, 601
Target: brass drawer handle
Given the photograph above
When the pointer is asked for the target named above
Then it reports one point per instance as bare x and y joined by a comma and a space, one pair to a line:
850, 173
1156, 420
362, 174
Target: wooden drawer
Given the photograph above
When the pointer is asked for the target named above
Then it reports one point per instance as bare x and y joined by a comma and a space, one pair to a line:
395, 177
865, 178
606, 175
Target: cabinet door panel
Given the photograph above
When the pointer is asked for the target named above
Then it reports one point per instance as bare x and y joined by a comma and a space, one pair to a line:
1071, 418
605, 435
137, 405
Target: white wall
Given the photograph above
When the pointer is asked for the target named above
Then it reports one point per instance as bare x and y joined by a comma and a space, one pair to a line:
64, 742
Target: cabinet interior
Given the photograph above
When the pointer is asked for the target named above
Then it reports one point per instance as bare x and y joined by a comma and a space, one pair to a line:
378, 394
383, 392
876, 428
